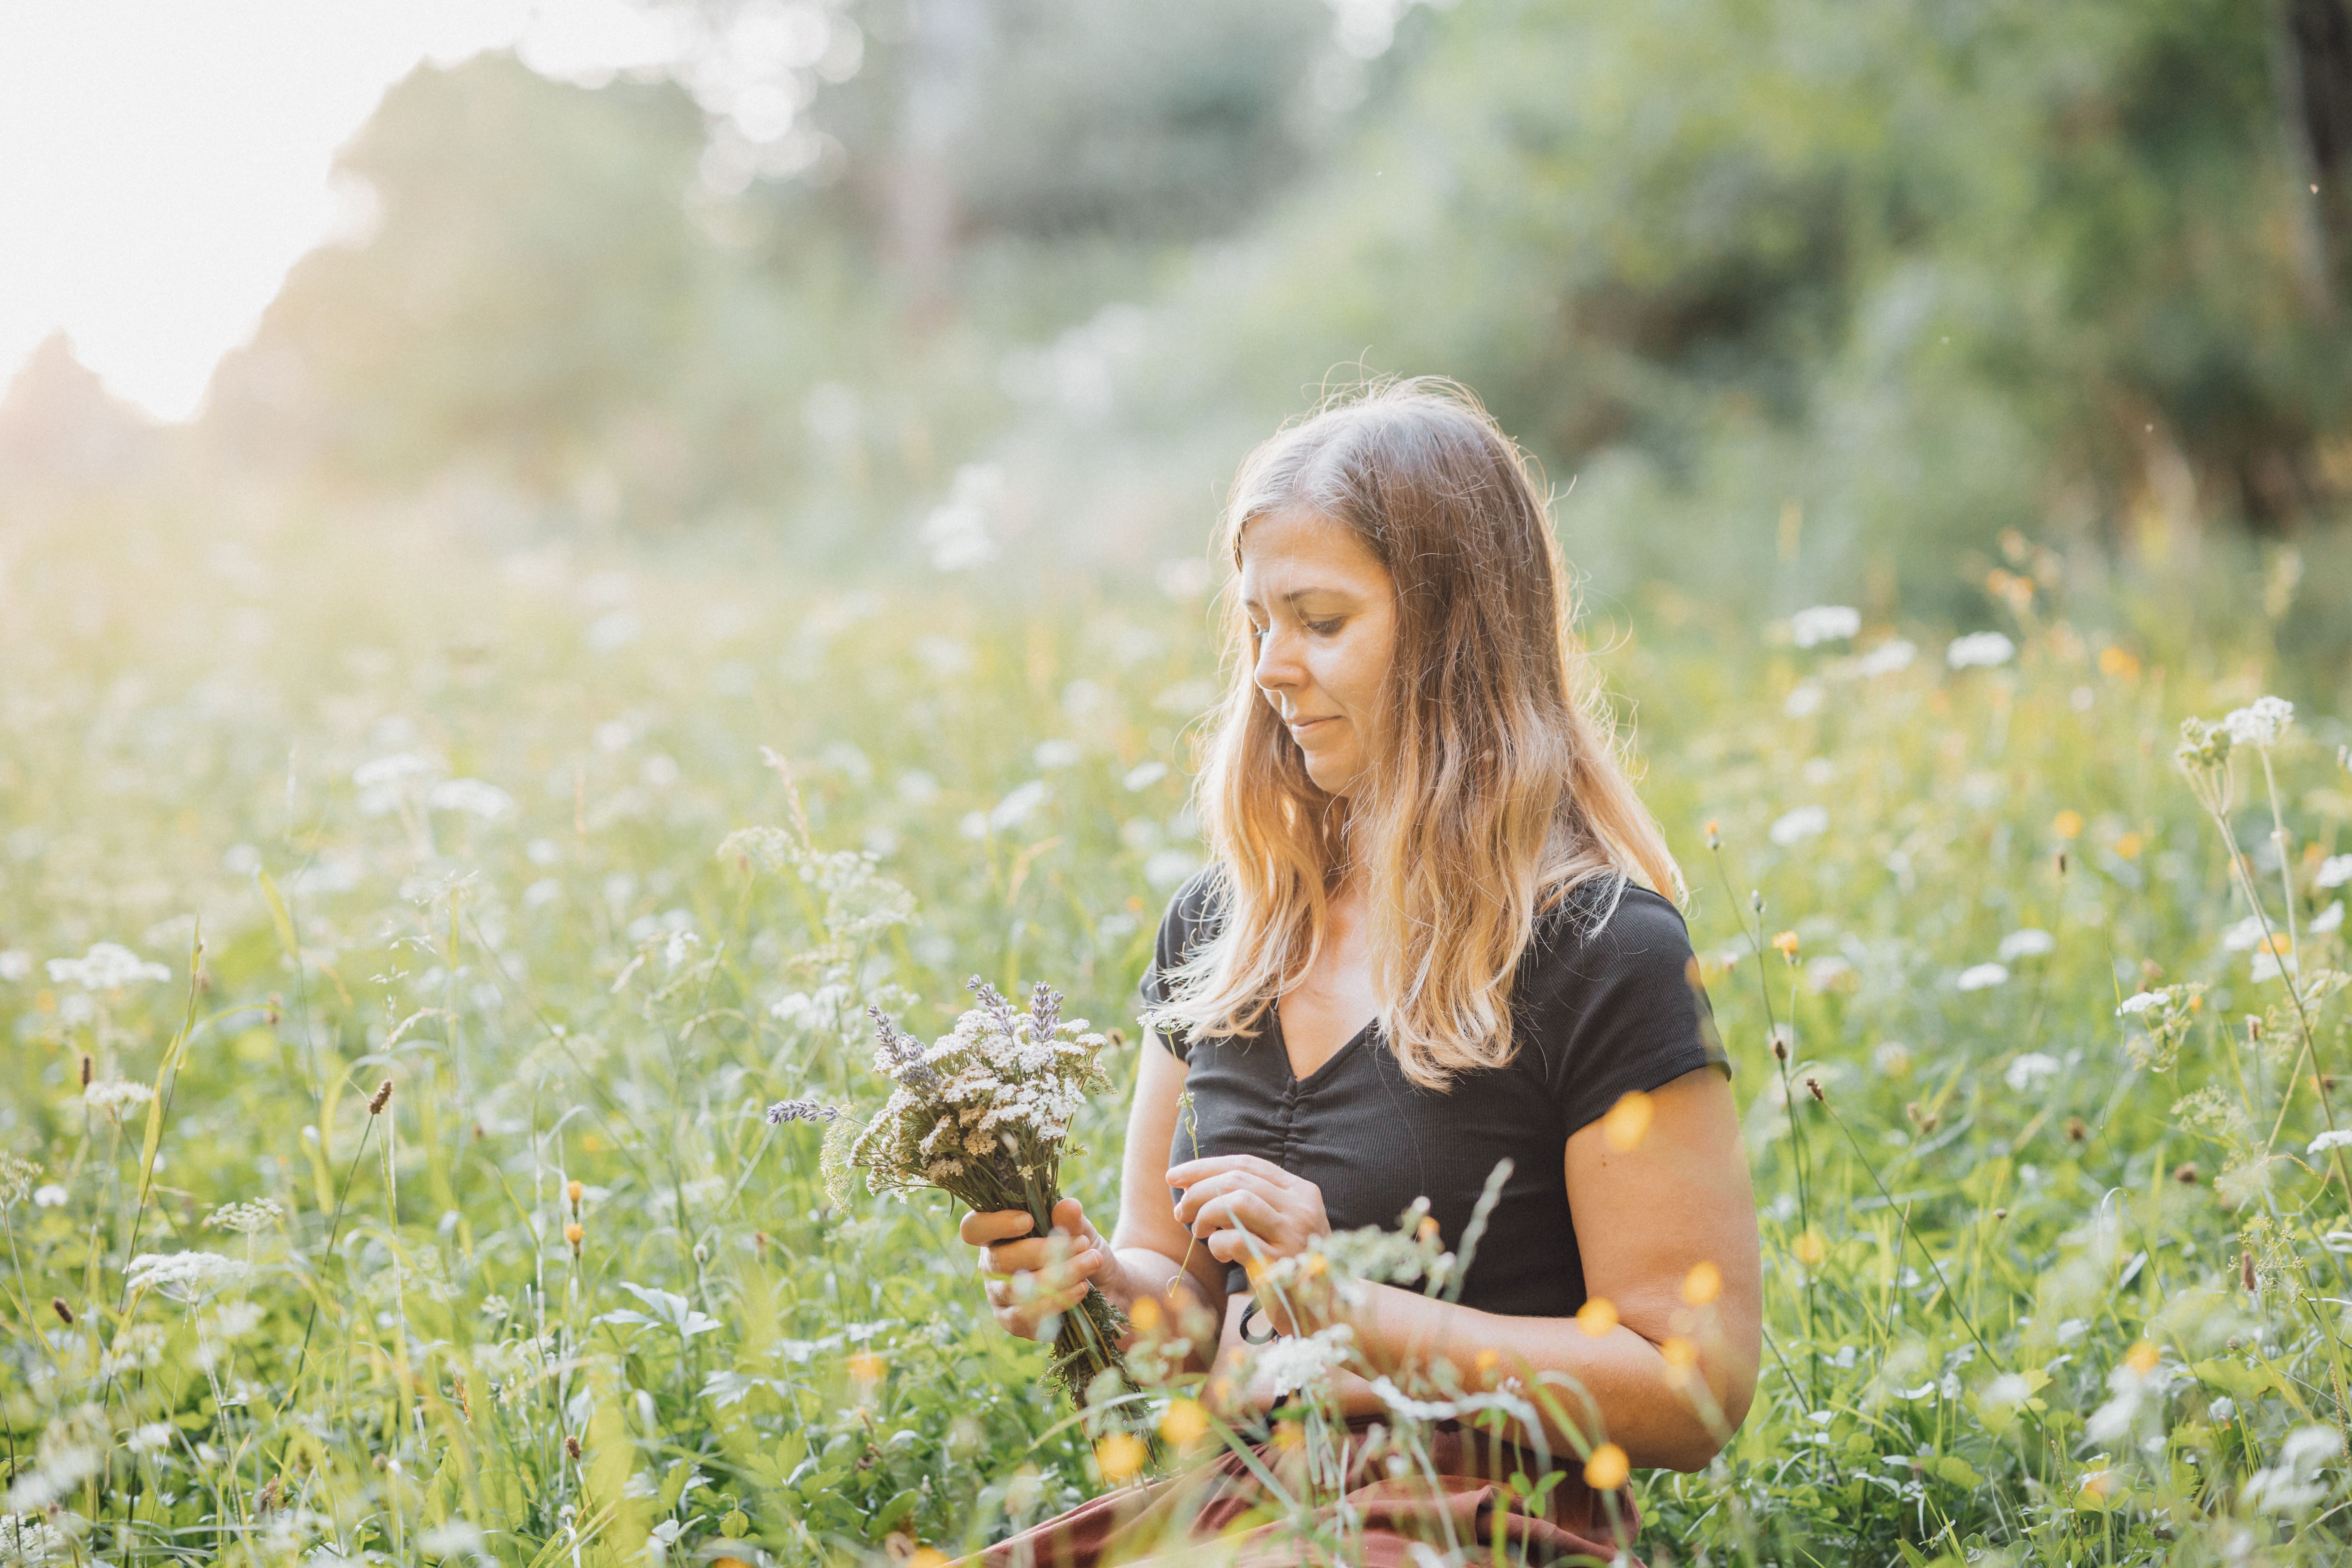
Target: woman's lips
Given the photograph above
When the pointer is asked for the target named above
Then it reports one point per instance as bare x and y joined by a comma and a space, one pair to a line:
1299, 727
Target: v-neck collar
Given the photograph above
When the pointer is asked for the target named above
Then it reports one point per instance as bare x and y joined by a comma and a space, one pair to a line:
1283, 1041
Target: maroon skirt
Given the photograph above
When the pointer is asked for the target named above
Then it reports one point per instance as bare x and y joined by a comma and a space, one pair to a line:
1221, 1512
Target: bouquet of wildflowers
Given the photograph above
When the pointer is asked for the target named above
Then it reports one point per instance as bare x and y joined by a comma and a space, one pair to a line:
984, 1114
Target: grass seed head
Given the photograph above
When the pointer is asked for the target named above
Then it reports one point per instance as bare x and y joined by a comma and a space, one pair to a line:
382, 1098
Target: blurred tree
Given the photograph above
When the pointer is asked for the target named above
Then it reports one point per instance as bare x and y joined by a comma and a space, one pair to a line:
523, 304
1800, 286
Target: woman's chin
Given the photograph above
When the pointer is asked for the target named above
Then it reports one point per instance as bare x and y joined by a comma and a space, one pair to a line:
1330, 778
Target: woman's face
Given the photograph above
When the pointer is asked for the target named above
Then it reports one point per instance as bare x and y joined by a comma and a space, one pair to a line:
1322, 611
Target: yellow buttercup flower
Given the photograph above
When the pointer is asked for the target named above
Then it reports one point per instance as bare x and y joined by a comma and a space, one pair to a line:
1628, 1120
1608, 1467
1121, 1457
1703, 1284
1185, 1424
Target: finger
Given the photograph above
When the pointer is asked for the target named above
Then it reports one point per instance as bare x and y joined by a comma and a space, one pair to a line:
1024, 1257
1204, 1193
1192, 1170
1060, 1273
980, 1228
1238, 1211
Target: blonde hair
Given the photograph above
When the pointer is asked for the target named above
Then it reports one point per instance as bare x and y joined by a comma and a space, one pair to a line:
1500, 789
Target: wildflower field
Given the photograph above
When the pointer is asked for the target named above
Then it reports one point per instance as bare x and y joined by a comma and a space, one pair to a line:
401, 941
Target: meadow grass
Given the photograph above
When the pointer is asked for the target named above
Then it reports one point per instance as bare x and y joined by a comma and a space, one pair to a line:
2046, 1282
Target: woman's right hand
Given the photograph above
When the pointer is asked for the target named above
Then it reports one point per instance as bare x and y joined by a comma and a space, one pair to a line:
1033, 1278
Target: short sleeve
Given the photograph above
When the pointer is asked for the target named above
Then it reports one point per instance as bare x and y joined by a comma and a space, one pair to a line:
1191, 920
1618, 1009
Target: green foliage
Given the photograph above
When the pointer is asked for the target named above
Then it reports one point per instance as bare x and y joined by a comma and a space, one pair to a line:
1812, 299
2006, 1293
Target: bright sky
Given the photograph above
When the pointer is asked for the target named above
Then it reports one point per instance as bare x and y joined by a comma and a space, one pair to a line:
162, 162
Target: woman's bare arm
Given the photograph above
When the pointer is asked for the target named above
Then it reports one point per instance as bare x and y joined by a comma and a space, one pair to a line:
1149, 1238
1667, 1232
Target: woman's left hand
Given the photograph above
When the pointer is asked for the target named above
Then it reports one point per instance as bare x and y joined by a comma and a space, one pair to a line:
1248, 1210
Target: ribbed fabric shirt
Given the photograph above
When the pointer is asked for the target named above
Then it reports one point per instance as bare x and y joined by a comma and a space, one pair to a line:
1605, 1002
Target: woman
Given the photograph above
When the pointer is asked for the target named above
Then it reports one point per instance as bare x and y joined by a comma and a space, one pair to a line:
1424, 948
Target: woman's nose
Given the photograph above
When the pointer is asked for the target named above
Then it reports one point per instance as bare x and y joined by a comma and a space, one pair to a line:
1277, 669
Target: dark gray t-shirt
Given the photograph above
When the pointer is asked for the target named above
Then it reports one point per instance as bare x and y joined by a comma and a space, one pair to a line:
1596, 1014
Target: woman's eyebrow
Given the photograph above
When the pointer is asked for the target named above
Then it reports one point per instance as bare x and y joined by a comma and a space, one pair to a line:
1310, 591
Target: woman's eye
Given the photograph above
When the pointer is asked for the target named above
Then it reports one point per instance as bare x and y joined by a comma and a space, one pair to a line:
1322, 628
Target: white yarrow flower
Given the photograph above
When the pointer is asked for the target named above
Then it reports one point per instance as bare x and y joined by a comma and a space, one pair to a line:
2263, 724
1979, 650
394, 769
472, 796
2244, 934
107, 966
1796, 826
2030, 1072
1982, 976
1887, 657
2027, 942
17, 963
2326, 920
2334, 872
181, 1273
2339, 1139
2269, 966
113, 1096
1823, 623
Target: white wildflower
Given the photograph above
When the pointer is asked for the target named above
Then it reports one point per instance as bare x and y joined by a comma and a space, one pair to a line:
16, 963
2293, 1484
2326, 920
1055, 754
245, 1219
2029, 1071
2245, 935
1018, 805
1982, 976
472, 796
1170, 868
108, 966
113, 1096
2261, 724
1823, 623
1979, 650
182, 1274
138, 1347
2269, 966
957, 534
2009, 1388
2338, 1139
153, 1438
388, 770
236, 1319
1805, 700
2140, 1003
1887, 657
1294, 1362
2027, 942
1143, 775
49, 1196
459, 1538
1796, 826
24, 1538
2334, 872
